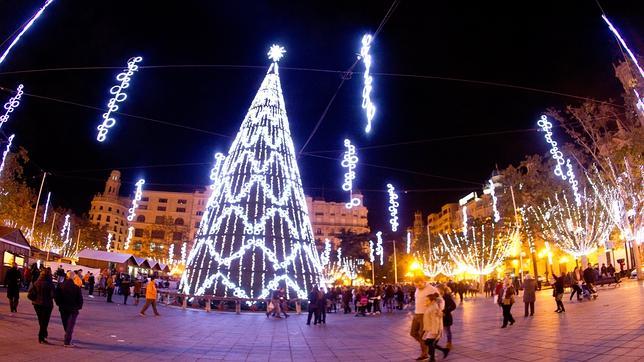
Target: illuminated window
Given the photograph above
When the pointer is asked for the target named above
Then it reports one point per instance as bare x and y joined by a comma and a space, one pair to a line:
182, 202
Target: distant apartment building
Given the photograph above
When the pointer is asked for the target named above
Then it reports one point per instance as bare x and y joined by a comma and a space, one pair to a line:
329, 219
450, 217
164, 218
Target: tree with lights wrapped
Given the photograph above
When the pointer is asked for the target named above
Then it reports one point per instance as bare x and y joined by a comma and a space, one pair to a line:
480, 249
255, 235
577, 230
622, 196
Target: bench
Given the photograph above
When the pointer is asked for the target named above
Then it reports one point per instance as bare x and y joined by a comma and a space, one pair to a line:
608, 280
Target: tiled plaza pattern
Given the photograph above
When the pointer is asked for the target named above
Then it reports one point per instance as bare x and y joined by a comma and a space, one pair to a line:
608, 329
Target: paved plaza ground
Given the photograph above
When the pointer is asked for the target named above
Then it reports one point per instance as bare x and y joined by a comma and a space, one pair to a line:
608, 329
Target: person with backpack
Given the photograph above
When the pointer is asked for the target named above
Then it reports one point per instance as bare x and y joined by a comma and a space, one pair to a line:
41, 295
450, 306
69, 298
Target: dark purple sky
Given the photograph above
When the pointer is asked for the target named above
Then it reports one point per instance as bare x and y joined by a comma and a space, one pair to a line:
553, 45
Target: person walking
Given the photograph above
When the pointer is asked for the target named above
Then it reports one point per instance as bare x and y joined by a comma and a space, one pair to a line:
109, 288
150, 298
432, 326
423, 289
558, 292
41, 295
69, 298
575, 284
137, 290
91, 280
12, 281
125, 288
506, 300
313, 306
321, 307
450, 306
529, 296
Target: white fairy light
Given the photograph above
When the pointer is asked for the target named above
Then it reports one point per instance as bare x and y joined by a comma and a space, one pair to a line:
44, 217
379, 250
64, 233
183, 252
621, 196
464, 220
372, 257
325, 258
577, 230
135, 201
408, 242
171, 254
573, 182
628, 50
367, 105
349, 162
24, 30
257, 208
497, 216
108, 246
393, 207
11, 105
118, 91
6, 152
128, 239
480, 250
557, 155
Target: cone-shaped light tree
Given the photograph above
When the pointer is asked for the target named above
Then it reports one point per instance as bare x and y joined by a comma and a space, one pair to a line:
255, 235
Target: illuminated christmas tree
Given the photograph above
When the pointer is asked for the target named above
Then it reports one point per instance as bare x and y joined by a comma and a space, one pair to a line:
255, 234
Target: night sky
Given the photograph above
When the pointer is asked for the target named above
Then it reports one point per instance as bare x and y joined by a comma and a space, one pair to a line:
561, 46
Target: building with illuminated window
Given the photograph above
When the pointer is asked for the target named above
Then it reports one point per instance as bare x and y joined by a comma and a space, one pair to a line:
329, 219
164, 218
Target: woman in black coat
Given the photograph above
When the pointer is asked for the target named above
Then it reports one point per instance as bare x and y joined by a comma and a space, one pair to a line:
448, 320
41, 295
558, 292
313, 306
12, 281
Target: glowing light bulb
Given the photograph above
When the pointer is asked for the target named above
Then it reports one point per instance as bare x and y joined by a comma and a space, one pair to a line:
135, 201
408, 242
557, 155
379, 249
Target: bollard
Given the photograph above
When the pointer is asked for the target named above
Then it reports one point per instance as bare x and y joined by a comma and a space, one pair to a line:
237, 307
298, 307
208, 304
184, 304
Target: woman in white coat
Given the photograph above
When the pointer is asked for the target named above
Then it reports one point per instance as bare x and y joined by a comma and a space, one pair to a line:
433, 326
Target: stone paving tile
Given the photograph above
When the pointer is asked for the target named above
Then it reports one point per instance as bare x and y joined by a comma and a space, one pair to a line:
610, 328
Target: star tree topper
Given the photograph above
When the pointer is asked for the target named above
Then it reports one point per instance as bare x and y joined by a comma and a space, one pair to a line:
276, 53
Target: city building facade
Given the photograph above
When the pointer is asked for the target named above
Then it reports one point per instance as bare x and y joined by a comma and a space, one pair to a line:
165, 218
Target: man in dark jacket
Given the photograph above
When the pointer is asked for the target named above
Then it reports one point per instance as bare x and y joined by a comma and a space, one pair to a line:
313, 306
70, 300
12, 281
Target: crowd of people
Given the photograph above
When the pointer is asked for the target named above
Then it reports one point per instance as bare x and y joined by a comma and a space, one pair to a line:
64, 288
